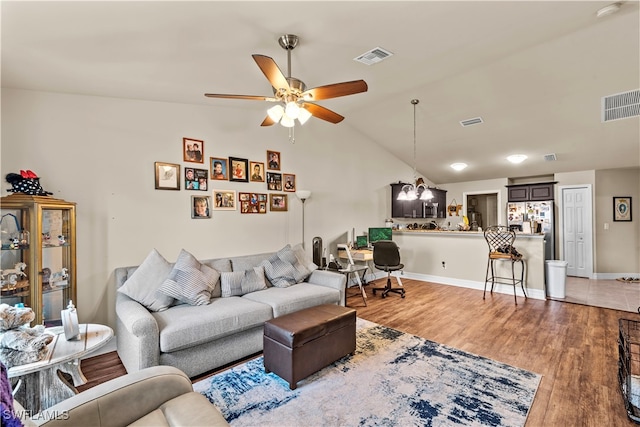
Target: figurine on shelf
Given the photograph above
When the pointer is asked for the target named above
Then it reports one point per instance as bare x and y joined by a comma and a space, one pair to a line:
46, 239
61, 240
15, 243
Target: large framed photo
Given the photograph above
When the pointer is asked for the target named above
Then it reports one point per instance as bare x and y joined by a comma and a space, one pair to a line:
195, 179
253, 203
238, 168
224, 200
219, 167
289, 182
622, 208
167, 176
193, 150
278, 202
200, 207
257, 171
273, 160
274, 181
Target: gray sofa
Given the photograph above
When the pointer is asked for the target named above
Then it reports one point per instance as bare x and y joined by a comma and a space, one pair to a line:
197, 339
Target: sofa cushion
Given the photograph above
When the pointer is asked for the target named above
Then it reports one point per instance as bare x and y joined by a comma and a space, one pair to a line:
142, 286
185, 326
237, 283
304, 258
280, 273
220, 265
189, 281
295, 297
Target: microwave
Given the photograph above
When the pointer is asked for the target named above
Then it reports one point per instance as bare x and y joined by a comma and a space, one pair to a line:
430, 210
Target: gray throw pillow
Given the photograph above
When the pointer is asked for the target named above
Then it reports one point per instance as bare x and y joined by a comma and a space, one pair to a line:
238, 283
142, 286
288, 255
190, 281
280, 273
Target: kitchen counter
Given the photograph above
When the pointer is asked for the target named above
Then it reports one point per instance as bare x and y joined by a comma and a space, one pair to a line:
460, 258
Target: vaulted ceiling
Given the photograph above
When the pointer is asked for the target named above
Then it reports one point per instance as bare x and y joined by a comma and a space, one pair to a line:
535, 72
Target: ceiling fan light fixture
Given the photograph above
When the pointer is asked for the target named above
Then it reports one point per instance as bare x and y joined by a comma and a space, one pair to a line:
275, 112
292, 110
287, 121
304, 115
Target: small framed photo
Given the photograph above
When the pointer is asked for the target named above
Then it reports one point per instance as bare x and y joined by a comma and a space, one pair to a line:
622, 208
195, 179
167, 176
278, 202
219, 168
224, 200
257, 171
289, 182
193, 150
200, 206
253, 203
273, 160
274, 181
238, 168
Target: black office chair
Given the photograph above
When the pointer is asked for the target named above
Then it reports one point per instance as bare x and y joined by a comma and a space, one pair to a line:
386, 257
500, 240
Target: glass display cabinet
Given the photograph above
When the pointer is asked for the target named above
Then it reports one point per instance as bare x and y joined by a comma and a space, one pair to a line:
38, 256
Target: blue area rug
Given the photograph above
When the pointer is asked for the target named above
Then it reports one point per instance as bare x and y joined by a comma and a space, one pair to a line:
393, 379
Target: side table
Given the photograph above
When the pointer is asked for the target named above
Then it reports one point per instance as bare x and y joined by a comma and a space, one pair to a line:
359, 272
40, 385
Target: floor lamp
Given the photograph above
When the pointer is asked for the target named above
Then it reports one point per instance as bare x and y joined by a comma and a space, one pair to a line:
303, 195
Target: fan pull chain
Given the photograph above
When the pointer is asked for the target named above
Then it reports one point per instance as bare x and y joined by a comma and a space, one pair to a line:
292, 136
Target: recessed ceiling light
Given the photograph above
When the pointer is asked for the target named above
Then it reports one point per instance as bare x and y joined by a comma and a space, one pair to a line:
517, 158
458, 166
608, 10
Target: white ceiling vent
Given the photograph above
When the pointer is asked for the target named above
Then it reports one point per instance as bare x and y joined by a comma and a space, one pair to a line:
550, 157
373, 56
621, 106
471, 122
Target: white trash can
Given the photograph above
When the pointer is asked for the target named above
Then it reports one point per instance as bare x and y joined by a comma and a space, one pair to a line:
556, 278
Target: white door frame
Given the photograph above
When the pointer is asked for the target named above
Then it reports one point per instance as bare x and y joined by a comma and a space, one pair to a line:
559, 204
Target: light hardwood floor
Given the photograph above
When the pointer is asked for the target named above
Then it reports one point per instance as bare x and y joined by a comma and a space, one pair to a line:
573, 347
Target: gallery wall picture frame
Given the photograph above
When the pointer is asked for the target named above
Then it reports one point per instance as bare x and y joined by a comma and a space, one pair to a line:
219, 168
167, 176
253, 203
193, 150
289, 182
273, 160
200, 207
224, 200
274, 181
622, 209
195, 179
257, 171
278, 202
238, 169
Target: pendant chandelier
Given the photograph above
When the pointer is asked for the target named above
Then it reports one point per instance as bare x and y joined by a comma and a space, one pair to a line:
415, 191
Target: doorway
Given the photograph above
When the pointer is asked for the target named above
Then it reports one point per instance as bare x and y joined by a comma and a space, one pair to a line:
577, 230
485, 205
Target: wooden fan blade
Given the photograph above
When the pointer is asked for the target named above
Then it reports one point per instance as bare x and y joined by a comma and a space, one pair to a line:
323, 113
247, 97
267, 122
335, 90
272, 72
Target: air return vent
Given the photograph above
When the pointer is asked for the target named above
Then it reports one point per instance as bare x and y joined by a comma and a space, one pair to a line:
550, 157
621, 106
373, 56
471, 122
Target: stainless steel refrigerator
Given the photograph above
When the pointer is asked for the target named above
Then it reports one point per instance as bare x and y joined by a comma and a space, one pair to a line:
534, 217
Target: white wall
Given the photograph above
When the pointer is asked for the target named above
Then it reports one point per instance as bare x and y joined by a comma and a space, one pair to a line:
100, 153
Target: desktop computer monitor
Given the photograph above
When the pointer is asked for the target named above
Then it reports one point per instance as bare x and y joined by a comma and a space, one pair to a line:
379, 233
361, 242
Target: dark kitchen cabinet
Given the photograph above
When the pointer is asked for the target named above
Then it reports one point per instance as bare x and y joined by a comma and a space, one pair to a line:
530, 192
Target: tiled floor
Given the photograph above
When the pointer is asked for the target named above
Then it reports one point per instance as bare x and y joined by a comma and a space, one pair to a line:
603, 293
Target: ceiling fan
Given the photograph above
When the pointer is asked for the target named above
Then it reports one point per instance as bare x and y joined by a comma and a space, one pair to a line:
293, 100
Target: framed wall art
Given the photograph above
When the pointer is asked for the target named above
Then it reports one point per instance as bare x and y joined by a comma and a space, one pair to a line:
257, 171
274, 181
238, 169
273, 160
195, 179
167, 176
200, 207
193, 150
278, 202
622, 208
289, 182
224, 200
253, 203
219, 168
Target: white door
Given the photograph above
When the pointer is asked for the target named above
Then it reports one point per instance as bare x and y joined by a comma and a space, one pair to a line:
577, 230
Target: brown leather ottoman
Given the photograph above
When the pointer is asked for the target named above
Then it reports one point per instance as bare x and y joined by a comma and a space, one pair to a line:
301, 343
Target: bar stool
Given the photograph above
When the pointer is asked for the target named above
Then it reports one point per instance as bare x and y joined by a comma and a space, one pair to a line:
500, 240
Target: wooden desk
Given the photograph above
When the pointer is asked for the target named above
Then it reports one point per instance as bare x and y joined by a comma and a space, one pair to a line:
42, 385
357, 254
